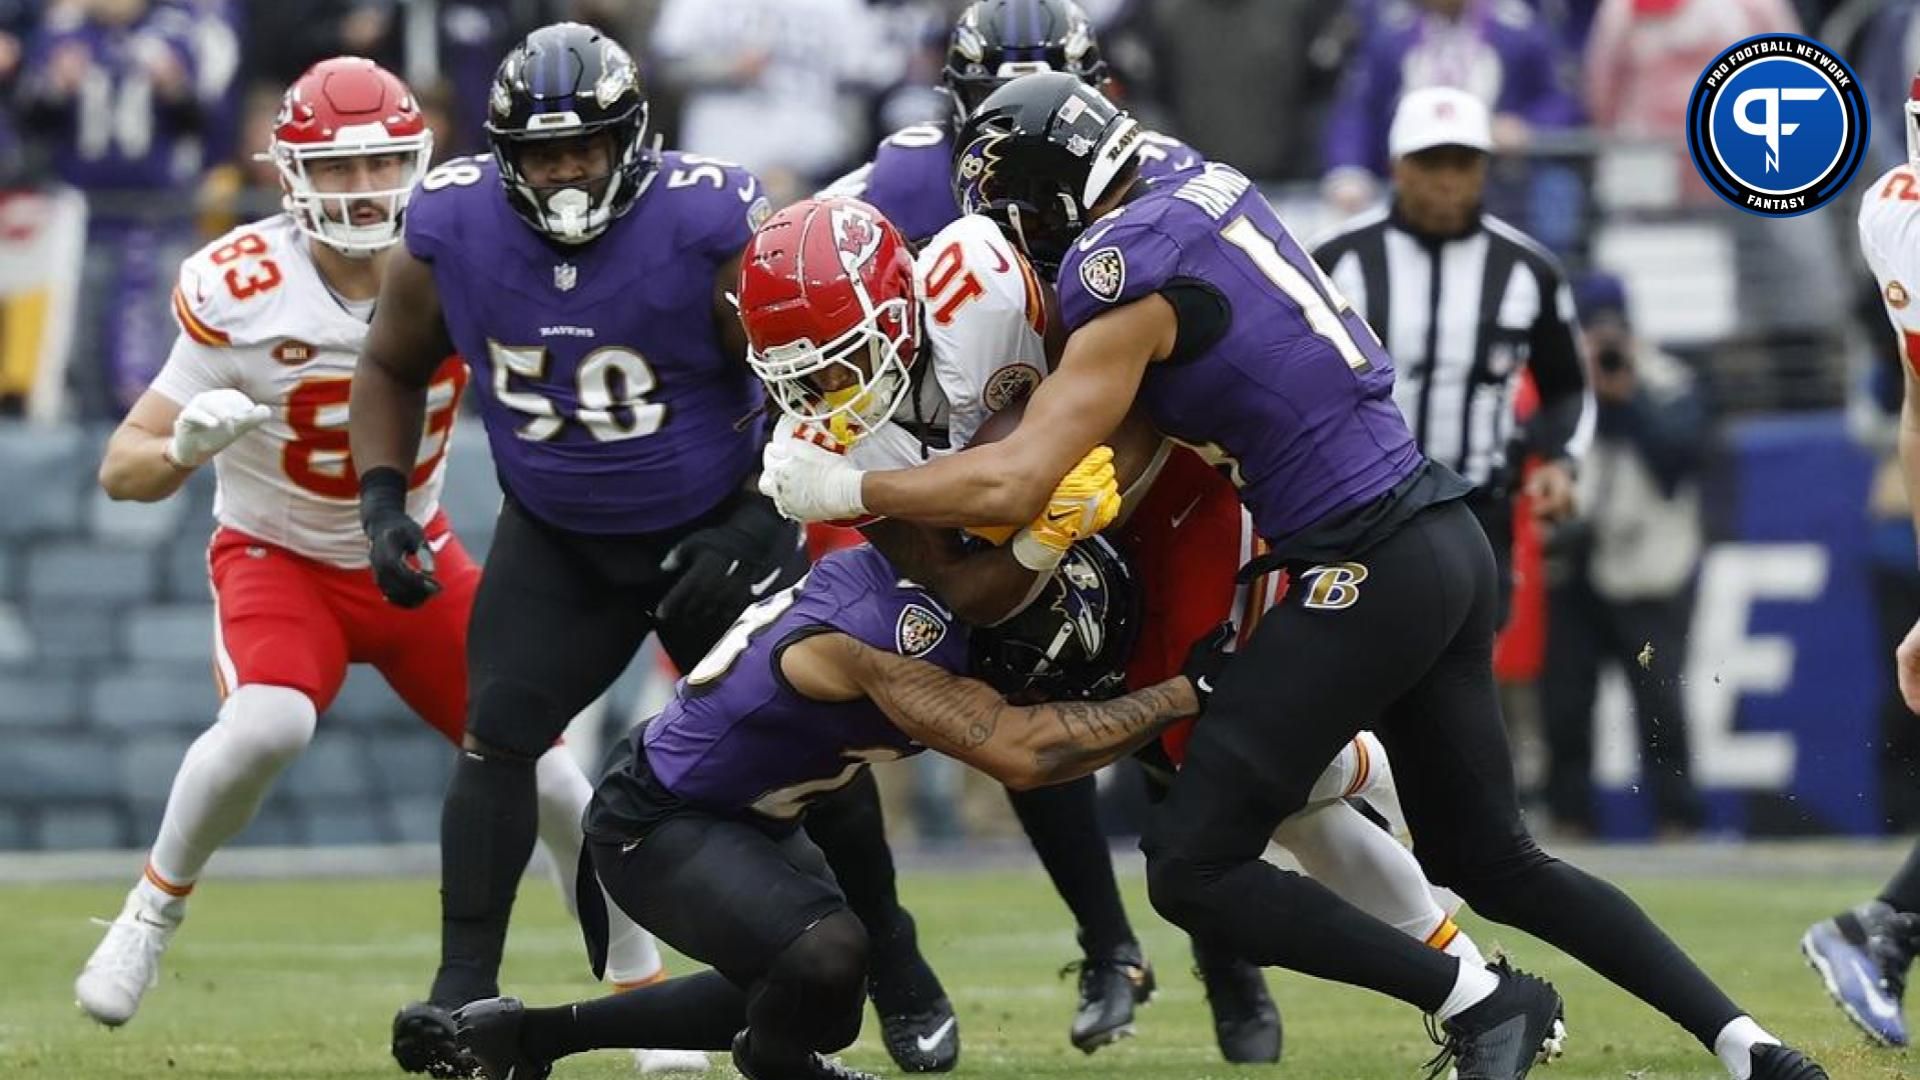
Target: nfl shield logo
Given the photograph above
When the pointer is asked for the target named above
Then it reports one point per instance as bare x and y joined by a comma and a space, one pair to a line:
565, 277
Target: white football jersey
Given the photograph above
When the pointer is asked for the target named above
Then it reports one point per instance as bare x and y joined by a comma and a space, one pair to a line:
256, 317
985, 337
1890, 239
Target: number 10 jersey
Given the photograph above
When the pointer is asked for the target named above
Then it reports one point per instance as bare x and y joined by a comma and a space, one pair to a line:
609, 402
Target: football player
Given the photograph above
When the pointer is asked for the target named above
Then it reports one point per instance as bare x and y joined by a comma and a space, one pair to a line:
1863, 955
909, 180
695, 830
919, 359
271, 317
1191, 296
580, 273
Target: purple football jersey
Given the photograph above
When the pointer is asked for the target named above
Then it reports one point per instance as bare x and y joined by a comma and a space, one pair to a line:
736, 737
1294, 399
607, 398
910, 178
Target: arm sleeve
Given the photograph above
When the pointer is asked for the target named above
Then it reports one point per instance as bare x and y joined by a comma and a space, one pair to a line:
1563, 428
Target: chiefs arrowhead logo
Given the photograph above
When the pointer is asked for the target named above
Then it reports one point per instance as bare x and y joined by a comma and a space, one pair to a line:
855, 234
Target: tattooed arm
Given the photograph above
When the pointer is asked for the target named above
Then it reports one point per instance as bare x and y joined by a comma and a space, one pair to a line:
1021, 746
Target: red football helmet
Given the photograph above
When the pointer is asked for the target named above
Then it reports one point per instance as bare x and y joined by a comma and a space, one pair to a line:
833, 323
340, 108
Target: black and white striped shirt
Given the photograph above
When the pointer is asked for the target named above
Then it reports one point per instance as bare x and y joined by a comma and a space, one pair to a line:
1462, 317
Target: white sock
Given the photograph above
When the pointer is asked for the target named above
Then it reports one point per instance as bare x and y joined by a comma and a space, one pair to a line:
563, 792
1473, 986
222, 780
1337, 846
1462, 947
1734, 1045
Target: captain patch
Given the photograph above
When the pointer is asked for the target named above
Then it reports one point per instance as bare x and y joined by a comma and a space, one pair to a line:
1897, 295
1104, 273
918, 631
1008, 385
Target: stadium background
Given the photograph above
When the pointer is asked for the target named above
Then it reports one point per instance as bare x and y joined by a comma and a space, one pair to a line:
104, 614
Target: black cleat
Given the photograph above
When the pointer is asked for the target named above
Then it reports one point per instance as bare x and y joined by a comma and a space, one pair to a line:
489, 1032
1784, 1063
1505, 1036
1111, 986
1246, 1023
814, 1067
424, 1042
916, 1020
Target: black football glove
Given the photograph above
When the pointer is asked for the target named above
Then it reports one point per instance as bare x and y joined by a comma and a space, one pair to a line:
725, 567
396, 544
1205, 661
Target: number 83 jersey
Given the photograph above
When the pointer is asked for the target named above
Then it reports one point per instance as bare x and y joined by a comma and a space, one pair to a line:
610, 404
256, 317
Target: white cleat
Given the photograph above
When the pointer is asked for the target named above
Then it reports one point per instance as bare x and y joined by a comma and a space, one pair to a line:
125, 965
654, 1062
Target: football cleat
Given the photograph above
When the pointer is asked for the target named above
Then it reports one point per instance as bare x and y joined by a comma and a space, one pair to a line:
814, 1067
425, 1041
1776, 1062
1110, 987
1246, 1023
1862, 956
126, 963
488, 1031
1521, 1025
916, 1019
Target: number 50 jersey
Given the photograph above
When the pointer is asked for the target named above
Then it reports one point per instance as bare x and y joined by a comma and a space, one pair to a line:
610, 405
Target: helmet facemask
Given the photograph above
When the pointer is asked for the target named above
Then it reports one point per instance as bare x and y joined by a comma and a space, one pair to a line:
870, 361
327, 216
577, 211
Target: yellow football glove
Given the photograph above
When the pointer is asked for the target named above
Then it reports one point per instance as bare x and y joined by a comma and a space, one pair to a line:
1085, 501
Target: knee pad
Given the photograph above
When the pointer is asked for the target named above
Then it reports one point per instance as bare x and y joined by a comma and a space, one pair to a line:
268, 724
513, 718
1177, 888
826, 967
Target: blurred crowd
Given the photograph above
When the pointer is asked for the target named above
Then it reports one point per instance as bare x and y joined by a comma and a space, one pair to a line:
155, 110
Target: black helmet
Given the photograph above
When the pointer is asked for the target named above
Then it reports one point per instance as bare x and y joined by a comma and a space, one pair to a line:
569, 81
1037, 155
996, 40
1074, 639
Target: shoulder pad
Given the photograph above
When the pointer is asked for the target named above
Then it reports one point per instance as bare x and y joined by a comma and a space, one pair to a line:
719, 202
231, 287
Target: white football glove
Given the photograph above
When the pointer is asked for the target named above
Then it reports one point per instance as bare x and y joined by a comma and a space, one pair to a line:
210, 423
808, 481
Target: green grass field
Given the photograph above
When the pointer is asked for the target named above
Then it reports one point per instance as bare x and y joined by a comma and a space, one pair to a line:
298, 980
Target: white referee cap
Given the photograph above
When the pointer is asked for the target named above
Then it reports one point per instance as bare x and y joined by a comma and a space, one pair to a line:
1439, 116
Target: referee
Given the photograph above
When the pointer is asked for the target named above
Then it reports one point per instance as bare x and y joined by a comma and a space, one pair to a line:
1465, 302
